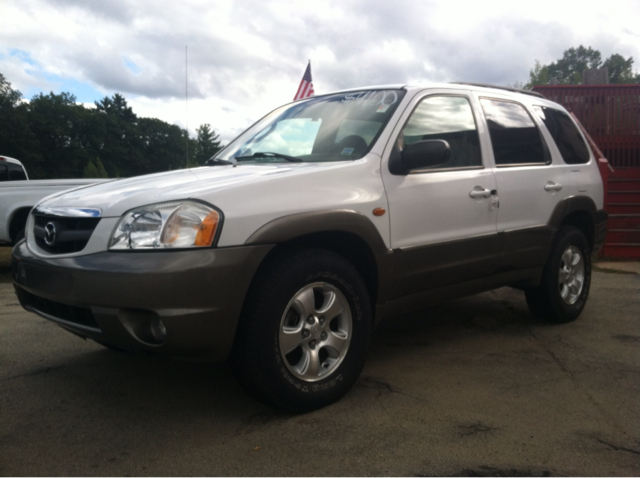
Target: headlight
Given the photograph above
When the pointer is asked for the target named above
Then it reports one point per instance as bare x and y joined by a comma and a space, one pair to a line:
180, 224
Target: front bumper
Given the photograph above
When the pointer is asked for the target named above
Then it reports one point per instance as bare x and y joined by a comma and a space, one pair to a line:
119, 298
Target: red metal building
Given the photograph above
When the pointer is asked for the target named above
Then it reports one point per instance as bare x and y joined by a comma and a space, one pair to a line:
611, 116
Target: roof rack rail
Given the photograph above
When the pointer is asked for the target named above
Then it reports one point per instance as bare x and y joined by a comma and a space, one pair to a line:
513, 90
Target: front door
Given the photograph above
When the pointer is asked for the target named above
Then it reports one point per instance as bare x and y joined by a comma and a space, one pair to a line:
443, 218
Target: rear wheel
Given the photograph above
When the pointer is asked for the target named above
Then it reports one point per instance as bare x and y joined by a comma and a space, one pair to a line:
566, 279
303, 337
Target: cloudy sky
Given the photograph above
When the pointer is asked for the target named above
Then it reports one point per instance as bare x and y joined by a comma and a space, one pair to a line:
244, 58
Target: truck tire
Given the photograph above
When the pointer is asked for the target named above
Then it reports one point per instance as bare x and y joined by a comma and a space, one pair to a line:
18, 225
566, 279
304, 334
19, 236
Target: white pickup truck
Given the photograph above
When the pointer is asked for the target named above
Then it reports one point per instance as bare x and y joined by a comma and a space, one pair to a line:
18, 194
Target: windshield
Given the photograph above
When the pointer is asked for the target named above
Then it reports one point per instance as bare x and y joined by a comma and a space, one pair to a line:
329, 128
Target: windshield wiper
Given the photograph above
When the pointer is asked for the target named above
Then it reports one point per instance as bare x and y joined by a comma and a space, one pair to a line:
267, 154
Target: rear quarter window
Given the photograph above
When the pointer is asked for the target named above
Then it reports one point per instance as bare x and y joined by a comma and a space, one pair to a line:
565, 134
16, 172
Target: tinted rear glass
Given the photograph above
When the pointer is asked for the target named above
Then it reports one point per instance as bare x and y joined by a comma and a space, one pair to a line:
515, 137
565, 134
16, 172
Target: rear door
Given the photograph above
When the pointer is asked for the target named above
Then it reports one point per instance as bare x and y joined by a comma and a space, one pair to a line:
530, 182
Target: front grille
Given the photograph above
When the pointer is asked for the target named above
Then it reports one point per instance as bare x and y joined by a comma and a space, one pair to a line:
67, 313
63, 235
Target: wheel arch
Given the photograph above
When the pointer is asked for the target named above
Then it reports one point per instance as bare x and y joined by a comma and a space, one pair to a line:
345, 232
576, 211
18, 221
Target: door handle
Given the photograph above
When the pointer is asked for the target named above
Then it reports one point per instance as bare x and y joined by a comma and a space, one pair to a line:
551, 186
480, 192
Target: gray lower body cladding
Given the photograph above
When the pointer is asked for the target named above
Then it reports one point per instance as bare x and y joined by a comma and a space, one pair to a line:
121, 299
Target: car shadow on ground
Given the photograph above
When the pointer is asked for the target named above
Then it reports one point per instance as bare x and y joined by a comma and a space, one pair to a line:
141, 384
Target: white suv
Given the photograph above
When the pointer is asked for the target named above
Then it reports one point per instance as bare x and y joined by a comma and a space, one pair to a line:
326, 216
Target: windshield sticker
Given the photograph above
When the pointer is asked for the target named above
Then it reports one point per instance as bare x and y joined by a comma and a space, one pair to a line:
347, 151
377, 99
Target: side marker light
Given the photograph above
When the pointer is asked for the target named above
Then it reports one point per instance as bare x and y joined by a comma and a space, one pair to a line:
207, 230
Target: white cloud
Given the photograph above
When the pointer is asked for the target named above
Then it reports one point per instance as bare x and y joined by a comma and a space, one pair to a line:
247, 57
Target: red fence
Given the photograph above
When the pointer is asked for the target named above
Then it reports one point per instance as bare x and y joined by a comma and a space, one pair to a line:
611, 115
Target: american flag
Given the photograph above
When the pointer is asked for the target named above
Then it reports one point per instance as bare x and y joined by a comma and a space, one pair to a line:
306, 85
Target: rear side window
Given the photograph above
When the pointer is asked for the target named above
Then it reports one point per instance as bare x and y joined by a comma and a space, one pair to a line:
515, 137
16, 172
4, 173
566, 135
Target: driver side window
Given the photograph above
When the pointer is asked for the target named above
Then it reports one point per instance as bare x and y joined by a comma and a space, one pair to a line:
447, 118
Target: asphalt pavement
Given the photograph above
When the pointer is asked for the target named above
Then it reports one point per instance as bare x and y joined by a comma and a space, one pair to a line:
473, 387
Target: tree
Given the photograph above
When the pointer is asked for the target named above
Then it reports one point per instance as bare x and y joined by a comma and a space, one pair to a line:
94, 169
8, 96
116, 106
16, 138
207, 143
121, 150
621, 70
568, 69
55, 137
58, 122
163, 145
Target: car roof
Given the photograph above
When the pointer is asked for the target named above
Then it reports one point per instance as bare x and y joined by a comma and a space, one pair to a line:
10, 160
454, 85
515, 94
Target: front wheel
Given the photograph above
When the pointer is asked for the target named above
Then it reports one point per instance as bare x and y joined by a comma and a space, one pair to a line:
303, 337
566, 279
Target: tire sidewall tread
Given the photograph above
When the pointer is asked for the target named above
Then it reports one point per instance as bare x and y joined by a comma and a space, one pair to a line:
256, 358
545, 301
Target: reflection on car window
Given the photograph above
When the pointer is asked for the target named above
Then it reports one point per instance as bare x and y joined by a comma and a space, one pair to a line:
327, 128
515, 137
293, 137
448, 118
565, 134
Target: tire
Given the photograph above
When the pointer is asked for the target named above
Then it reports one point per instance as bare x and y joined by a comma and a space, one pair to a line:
19, 236
563, 292
303, 336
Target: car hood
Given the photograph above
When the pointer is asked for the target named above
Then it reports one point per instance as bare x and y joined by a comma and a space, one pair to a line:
115, 198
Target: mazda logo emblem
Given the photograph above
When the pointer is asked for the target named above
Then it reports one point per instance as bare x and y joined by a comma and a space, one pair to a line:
50, 234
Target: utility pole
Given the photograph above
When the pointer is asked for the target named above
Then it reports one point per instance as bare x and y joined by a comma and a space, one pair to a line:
186, 101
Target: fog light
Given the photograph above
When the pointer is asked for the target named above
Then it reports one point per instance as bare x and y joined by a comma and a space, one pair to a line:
144, 325
158, 330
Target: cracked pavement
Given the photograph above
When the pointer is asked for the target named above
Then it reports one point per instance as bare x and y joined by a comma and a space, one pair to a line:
472, 387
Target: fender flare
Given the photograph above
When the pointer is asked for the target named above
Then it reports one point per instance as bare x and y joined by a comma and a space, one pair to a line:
287, 228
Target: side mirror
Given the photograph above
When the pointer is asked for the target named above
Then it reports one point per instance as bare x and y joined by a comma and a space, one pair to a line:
425, 154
